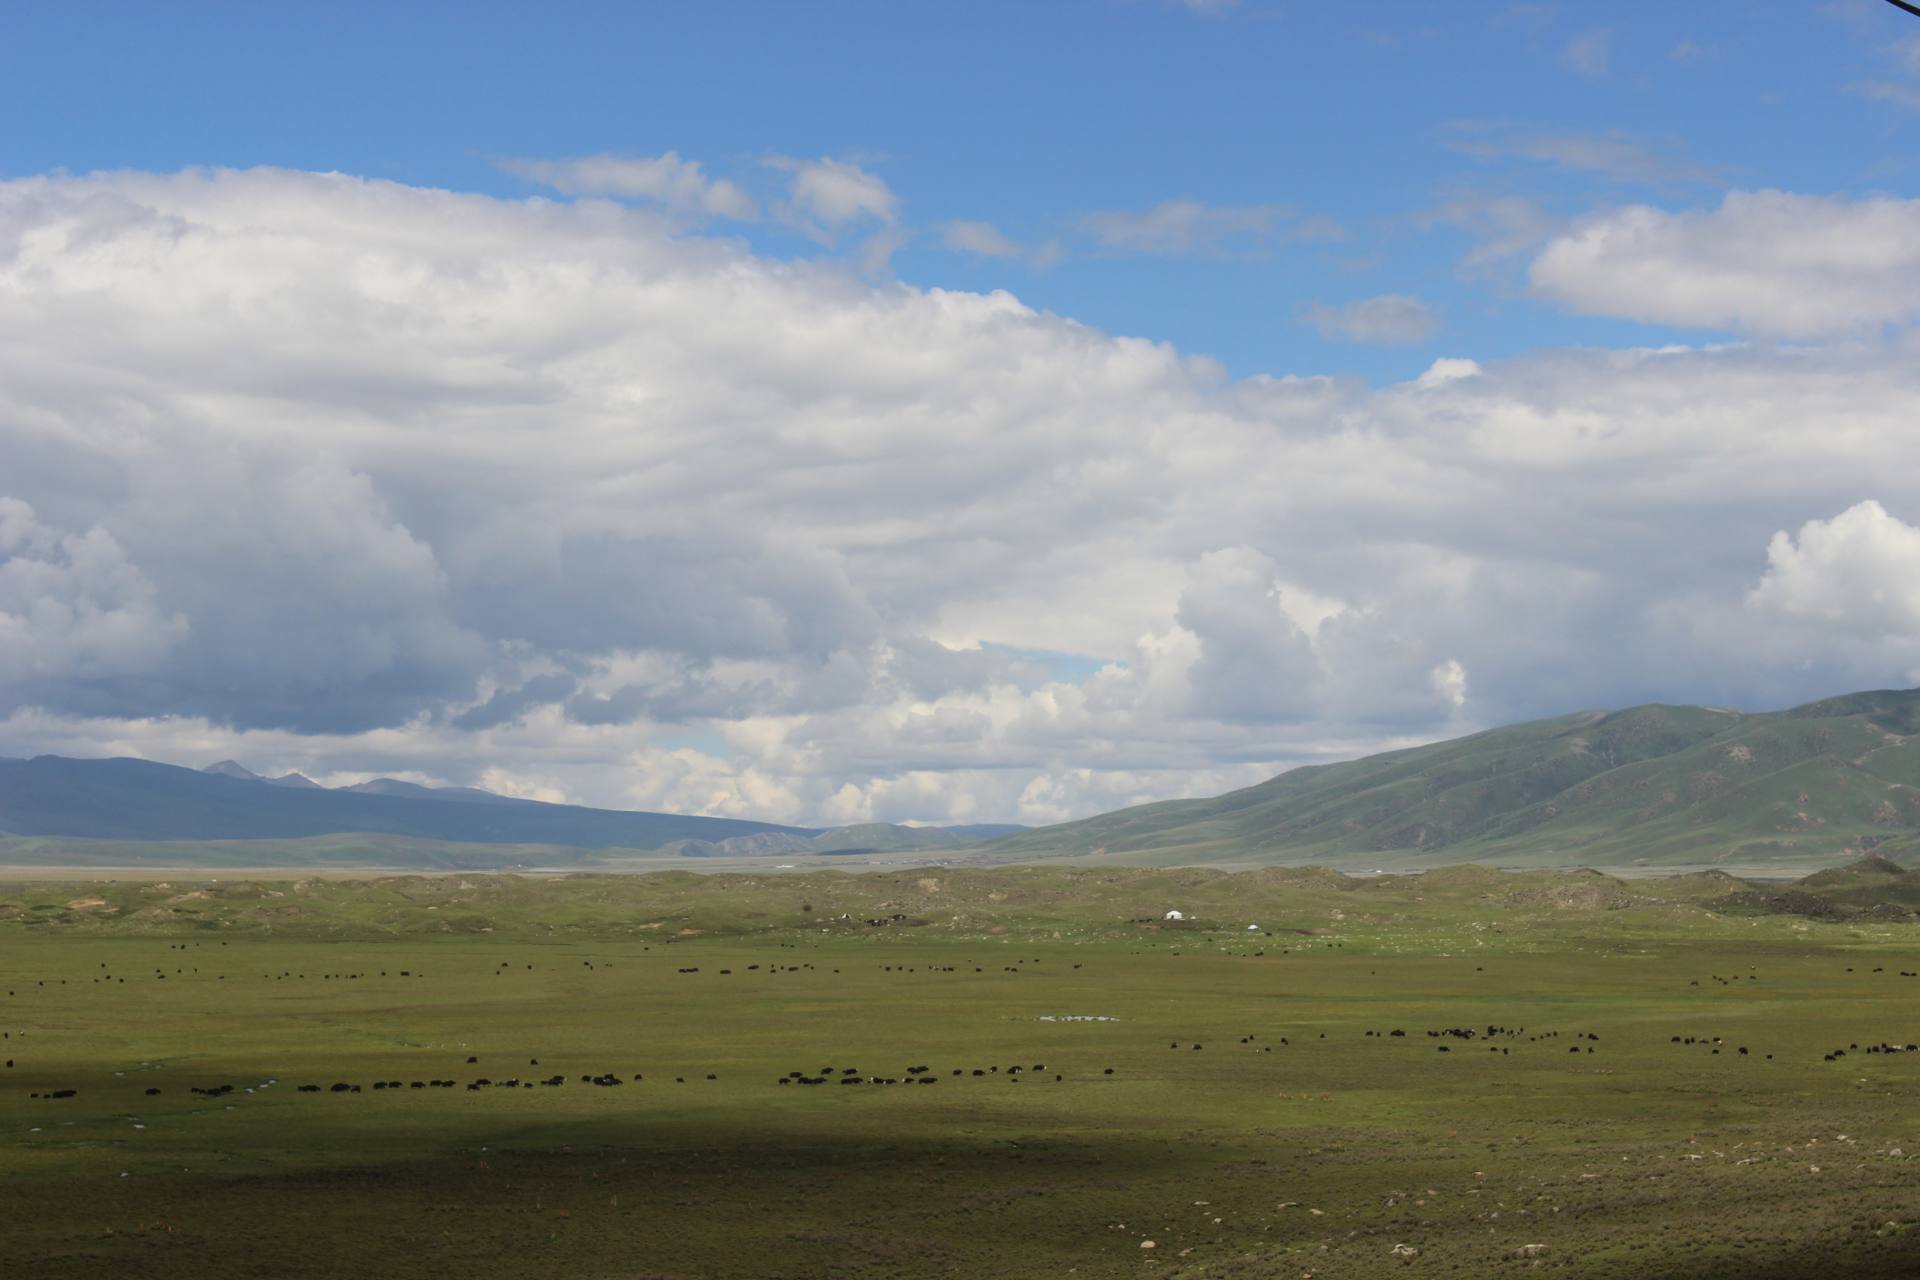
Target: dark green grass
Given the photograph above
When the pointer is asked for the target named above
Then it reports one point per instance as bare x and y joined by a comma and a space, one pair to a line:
1642, 1158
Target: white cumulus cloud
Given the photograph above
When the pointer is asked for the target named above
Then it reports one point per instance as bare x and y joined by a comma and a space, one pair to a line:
352, 477
1771, 263
1857, 573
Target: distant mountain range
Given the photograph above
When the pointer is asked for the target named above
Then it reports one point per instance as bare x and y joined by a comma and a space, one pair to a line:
375, 787
1658, 786
141, 800
1653, 785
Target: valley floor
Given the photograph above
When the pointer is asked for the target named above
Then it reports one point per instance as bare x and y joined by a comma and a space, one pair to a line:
1199, 1099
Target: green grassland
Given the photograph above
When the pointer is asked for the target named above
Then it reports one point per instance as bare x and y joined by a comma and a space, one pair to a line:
1659, 786
1293, 1143
348, 850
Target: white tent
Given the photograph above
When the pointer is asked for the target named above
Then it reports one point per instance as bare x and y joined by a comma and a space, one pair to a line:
1175, 915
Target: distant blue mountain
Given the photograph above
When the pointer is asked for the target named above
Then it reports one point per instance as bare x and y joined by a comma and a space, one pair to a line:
234, 769
414, 791
126, 799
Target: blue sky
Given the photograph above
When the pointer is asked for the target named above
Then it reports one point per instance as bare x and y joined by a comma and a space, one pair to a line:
993, 412
1032, 117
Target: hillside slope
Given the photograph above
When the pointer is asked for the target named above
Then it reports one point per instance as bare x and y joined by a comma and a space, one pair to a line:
1654, 785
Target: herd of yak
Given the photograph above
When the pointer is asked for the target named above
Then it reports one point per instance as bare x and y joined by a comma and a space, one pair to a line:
923, 1074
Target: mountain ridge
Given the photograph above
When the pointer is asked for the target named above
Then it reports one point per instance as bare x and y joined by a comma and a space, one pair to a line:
126, 799
1659, 784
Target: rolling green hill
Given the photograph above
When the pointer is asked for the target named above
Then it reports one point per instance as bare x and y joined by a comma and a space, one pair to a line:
1111, 903
1653, 785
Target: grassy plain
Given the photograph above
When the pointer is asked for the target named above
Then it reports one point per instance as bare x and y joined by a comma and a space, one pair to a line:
1293, 1143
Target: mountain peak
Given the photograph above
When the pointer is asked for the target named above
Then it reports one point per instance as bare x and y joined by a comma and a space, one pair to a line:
413, 790
233, 769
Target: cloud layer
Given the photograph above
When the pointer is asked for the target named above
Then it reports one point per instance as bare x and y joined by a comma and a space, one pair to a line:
354, 477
